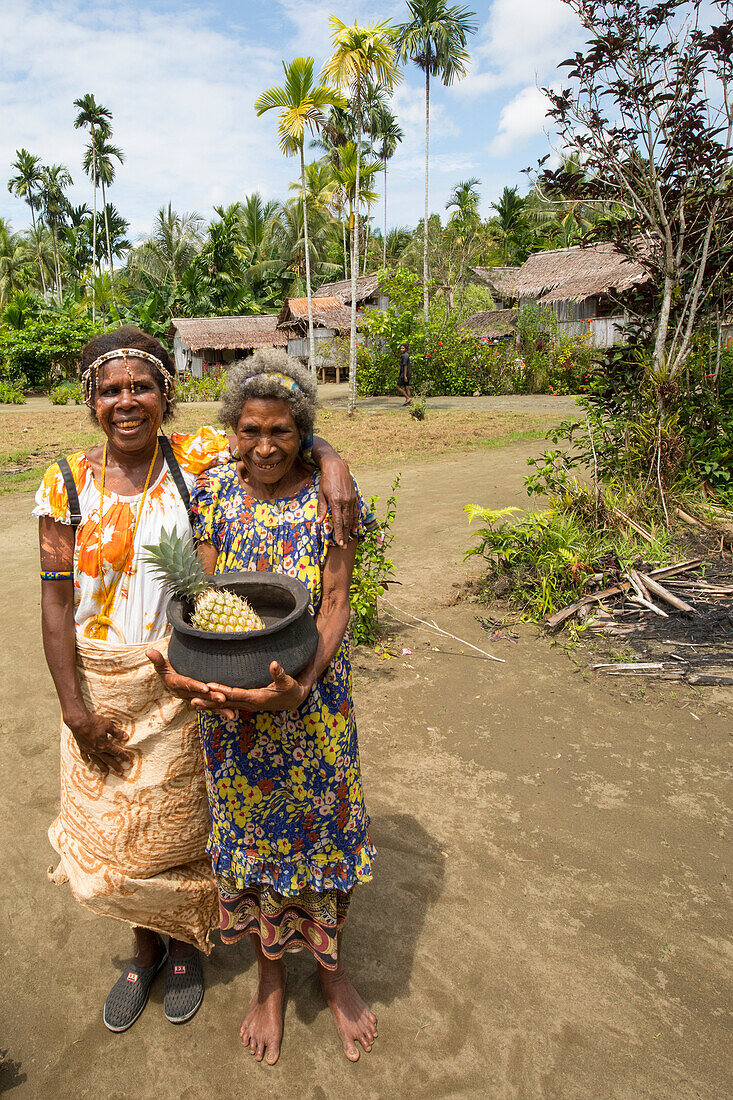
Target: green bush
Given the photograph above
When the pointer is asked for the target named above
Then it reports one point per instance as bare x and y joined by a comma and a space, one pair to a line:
65, 393
40, 348
11, 394
373, 569
454, 361
200, 389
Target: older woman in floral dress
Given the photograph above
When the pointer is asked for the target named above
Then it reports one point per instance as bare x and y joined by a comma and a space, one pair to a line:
289, 838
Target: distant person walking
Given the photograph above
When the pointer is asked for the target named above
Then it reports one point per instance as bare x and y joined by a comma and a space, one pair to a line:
405, 376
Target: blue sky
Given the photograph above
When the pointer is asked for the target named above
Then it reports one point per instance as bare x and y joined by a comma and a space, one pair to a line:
181, 81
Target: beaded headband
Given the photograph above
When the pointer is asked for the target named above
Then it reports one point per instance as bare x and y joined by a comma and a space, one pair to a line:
281, 379
90, 374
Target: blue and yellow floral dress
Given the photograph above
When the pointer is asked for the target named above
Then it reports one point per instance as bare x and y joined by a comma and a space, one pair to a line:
289, 834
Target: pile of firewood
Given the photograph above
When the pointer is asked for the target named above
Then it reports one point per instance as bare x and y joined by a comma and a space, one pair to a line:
683, 618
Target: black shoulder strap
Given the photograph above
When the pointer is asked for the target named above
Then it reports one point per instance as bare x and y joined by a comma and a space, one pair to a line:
175, 469
71, 492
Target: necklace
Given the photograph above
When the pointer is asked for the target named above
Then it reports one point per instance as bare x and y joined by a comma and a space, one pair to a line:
102, 621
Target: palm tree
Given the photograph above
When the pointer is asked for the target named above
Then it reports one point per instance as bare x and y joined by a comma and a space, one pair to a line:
39, 244
175, 242
26, 185
14, 261
510, 219
319, 185
360, 54
435, 39
396, 242
390, 135
55, 179
98, 157
301, 102
298, 253
97, 118
345, 176
464, 199
257, 218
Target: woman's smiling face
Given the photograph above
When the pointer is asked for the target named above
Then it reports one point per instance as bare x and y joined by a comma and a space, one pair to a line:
129, 404
268, 440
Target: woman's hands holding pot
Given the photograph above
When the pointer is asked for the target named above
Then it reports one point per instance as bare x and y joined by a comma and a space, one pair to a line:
283, 693
202, 696
99, 741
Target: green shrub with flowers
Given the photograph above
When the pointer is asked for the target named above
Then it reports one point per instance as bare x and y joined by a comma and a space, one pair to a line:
453, 361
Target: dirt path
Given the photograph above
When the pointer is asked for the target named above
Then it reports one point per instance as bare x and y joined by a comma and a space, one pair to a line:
550, 912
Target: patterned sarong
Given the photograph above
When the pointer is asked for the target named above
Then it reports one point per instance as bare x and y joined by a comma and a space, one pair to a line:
133, 847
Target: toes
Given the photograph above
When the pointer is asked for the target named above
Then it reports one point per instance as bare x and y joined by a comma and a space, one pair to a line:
351, 1051
273, 1053
260, 1051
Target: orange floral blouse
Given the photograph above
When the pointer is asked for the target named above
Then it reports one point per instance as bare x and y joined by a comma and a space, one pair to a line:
138, 610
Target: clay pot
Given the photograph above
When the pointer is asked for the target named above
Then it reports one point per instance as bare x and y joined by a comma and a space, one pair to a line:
243, 660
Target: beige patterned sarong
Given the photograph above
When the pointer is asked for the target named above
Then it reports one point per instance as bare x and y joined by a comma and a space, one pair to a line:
133, 847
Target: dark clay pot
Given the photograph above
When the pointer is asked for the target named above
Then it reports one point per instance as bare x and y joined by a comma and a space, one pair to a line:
243, 660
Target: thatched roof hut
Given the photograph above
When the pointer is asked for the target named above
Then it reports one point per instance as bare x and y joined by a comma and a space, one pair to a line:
242, 332
201, 343
576, 273
367, 292
328, 312
492, 324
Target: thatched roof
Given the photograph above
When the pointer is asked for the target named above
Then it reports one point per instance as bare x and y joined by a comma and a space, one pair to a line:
492, 322
573, 274
497, 278
327, 311
229, 332
366, 285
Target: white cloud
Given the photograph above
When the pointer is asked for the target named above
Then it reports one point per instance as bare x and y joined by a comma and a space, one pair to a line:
521, 40
520, 119
180, 91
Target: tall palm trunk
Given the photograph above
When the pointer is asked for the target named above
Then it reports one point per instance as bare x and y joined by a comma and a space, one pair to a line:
346, 262
38, 257
311, 338
384, 243
367, 226
109, 246
425, 225
94, 226
57, 266
354, 269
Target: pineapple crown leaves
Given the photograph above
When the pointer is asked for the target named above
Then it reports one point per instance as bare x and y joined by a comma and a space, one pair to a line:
176, 562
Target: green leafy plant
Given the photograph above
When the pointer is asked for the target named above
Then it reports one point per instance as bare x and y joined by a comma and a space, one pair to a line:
11, 394
66, 393
373, 570
43, 349
200, 389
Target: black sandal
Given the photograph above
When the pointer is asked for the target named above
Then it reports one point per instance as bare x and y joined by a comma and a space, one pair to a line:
129, 995
184, 988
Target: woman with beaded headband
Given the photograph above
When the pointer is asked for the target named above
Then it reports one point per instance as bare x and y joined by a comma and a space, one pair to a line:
134, 820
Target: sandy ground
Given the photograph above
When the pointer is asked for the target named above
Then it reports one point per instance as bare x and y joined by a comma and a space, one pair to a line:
550, 913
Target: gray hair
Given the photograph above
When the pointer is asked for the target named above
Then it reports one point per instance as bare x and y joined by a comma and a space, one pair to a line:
248, 378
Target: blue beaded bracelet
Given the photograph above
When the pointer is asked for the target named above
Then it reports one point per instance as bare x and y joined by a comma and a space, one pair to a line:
67, 575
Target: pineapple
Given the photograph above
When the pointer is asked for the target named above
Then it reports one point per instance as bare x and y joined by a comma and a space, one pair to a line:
215, 609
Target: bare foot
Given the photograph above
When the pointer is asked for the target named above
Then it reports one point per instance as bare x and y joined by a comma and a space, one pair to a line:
355, 1021
262, 1029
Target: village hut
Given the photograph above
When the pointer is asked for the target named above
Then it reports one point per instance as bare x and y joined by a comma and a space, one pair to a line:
369, 295
203, 345
330, 318
493, 325
581, 285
